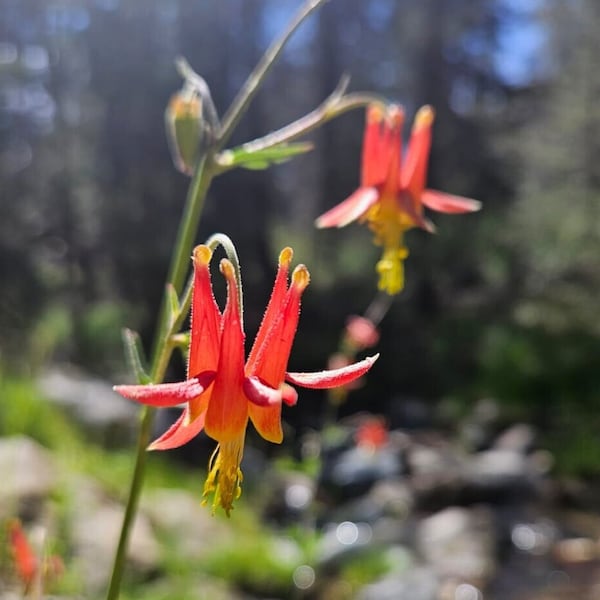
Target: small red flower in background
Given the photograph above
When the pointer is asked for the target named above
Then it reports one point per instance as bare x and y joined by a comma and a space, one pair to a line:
392, 192
25, 559
360, 333
28, 566
372, 434
221, 392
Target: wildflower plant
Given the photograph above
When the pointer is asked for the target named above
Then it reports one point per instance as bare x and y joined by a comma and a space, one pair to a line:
224, 390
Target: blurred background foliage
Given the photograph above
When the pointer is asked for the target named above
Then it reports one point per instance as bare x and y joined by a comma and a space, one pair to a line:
500, 304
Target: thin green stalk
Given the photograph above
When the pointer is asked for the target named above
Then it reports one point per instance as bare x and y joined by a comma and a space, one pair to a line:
162, 352
255, 79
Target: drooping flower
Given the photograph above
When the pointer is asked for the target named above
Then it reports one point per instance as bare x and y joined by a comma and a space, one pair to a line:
392, 192
221, 392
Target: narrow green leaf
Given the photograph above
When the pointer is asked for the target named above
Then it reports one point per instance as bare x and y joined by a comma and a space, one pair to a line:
173, 306
261, 159
135, 356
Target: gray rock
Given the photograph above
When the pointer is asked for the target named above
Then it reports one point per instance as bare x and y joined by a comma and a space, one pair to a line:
459, 543
419, 583
108, 417
436, 475
181, 515
342, 541
498, 475
518, 438
95, 526
354, 471
28, 475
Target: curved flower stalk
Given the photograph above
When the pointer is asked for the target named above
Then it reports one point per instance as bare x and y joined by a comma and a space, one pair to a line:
392, 192
222, 390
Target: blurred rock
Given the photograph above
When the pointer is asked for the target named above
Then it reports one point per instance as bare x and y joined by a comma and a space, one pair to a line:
353, 472
181, 515
477, 431
28, 476
459, 543
436, 474
290, 497
419, 583
95, 523
519, 438
499, 475
342, 541
108, 418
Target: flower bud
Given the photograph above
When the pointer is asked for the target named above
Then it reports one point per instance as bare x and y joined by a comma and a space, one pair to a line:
190, 120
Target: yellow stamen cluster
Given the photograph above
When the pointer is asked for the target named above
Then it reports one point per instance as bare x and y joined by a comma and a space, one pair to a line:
224, 481
388, 224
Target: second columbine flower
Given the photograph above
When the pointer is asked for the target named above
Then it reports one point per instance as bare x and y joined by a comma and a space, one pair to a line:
392, 192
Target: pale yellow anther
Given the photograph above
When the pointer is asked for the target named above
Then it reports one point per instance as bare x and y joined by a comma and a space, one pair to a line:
300, 277
227, 269
202, 254
285, 257
424, 117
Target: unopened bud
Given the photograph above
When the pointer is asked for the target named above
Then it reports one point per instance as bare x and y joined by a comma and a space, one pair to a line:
191, 123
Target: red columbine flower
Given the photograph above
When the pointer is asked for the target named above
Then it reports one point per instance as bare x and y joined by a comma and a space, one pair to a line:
30, 569
221, 392
25, 559
392, 192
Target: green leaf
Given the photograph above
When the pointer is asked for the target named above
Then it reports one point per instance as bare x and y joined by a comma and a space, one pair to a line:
135, 356
261, 159
173, 307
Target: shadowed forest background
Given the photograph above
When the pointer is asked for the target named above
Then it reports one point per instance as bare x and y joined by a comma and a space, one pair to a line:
501, 304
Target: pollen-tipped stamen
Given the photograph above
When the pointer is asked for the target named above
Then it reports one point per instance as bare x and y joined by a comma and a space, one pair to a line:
300, 278
202, 255
224, 480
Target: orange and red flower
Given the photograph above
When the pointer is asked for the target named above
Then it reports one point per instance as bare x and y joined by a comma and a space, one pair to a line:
222, 392
32, 570
392, 192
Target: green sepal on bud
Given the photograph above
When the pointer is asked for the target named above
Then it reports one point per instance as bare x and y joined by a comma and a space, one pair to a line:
191, 121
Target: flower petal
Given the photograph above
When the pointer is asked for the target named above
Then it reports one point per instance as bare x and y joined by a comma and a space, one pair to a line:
350, 209
179, 433
227, 412
167, 394
260, 393
205, 319
391, 157
273, 355
448, 203
334, 378
414, 172
288, 394
373, 166
273, 311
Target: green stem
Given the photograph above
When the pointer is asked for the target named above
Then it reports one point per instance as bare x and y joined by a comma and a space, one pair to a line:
252, 84
335, 105
160, 359
132, 502
224, 240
